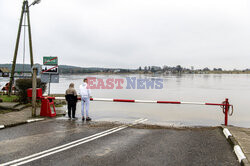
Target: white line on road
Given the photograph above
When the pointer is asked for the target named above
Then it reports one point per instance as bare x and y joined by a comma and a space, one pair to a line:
69, 145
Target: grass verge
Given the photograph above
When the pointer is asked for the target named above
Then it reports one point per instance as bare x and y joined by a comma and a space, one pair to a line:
6, 98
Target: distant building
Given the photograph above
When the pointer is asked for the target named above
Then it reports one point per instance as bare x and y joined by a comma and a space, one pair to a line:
4, 72
116, 71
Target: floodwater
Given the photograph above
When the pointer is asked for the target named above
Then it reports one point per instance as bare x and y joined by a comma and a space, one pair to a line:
212, 88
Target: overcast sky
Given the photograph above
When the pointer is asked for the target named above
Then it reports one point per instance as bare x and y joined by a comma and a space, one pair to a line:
133, 33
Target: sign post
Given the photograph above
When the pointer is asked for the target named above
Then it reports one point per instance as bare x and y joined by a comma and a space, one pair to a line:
33, 110
49, 83
50, 72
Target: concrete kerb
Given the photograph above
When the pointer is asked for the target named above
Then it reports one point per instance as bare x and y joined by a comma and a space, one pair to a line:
235, 145
34, 120
23, 122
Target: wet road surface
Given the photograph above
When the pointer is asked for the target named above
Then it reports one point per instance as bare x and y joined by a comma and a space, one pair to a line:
135, 145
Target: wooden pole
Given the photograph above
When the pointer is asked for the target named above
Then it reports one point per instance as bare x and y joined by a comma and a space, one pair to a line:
30, 39
34, 75
16, 48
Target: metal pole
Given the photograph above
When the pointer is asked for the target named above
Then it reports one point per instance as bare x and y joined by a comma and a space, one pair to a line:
34, 92
49, 84
16, 48
226, 111
30, 39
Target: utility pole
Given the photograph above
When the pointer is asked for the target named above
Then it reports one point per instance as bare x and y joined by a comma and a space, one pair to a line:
30, 39
16, 48
25, 9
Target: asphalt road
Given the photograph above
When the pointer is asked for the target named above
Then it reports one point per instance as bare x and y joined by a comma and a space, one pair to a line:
136, 145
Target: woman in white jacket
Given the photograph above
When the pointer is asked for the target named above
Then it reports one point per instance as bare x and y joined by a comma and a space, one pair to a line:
85, 98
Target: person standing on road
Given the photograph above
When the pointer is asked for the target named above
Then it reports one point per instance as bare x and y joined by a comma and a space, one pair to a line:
71, 98
85, 98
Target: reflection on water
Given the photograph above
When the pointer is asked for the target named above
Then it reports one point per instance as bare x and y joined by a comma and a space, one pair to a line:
198, 88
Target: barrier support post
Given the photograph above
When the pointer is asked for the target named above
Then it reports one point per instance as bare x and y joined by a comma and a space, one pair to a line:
226, 111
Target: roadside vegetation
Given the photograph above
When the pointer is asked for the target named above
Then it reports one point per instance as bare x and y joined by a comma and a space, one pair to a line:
12, 98
23, 84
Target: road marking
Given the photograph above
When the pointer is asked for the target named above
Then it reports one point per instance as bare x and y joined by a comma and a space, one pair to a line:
1, 126
64, 147
34, 120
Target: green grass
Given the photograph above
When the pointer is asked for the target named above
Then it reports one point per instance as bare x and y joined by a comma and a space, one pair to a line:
7, 98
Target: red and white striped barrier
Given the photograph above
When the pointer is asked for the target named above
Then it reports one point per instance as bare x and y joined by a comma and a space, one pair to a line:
225, 104
144, 101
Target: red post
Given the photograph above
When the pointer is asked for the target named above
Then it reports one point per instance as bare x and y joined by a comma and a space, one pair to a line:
226, 111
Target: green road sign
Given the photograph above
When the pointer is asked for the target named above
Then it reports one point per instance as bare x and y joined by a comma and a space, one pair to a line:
50, 60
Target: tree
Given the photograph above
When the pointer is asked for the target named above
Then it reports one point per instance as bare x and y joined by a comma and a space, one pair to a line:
206, 69
165, 68
178, 68
219, 69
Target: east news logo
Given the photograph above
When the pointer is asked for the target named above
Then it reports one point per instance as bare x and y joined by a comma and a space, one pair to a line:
127, 83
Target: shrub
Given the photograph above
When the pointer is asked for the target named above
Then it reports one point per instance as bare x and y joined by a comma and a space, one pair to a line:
23, 84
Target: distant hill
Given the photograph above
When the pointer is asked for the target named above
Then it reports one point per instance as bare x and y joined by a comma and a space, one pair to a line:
65, 69
19, 67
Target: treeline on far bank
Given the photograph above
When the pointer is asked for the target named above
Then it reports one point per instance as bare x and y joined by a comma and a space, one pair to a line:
151, 69
182, 70
66, 69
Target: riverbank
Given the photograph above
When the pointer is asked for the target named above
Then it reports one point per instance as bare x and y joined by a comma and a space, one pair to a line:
160, 73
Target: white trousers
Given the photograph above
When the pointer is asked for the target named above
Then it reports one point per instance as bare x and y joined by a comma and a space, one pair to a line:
85, 102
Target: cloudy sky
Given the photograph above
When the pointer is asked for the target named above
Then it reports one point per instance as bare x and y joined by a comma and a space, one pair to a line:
132, 33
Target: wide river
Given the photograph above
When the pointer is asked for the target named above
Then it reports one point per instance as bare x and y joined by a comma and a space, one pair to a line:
210, 88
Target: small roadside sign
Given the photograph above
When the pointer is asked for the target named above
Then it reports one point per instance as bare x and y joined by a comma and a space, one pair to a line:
50, 60
49, 69
50, 73
50, 78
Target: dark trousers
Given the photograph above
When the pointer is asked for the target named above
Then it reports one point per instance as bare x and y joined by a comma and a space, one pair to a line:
71, 106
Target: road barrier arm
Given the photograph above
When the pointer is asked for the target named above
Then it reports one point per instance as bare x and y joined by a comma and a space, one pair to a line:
224, 105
